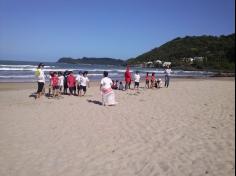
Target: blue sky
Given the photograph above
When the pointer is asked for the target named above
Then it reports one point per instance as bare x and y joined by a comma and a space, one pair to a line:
49, 29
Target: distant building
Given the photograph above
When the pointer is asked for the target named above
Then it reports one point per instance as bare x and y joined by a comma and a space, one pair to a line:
158, 62
166, 64
199, 59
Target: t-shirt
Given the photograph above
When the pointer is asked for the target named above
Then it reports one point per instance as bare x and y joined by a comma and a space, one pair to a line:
168, 71
54, 81
61, 80
40, 75
121, 87
71, 81
106, 83
136, 78
78, 79
83, 81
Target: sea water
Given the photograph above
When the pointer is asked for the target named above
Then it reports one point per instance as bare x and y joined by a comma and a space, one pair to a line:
23, 71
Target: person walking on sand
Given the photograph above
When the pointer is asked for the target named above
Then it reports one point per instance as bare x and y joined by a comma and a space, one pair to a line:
108, 95
167, 76
39, 73
127, 78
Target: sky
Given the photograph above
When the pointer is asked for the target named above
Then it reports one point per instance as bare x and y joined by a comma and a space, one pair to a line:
47, 30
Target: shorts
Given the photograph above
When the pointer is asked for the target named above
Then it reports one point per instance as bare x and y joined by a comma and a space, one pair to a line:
55, 87
40, 87
147, 81
136, 84
82, 88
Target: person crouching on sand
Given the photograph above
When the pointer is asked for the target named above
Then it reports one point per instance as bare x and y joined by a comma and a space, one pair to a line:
39, 73
108, 95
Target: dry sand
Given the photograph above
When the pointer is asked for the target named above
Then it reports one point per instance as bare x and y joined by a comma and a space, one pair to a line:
187, 129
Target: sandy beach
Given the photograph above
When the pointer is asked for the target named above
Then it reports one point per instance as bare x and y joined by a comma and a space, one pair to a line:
187, 129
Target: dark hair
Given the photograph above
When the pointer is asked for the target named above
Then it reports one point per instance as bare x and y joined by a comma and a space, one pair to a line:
147, 73
117, 80
121, 82
40, 64
85, 73
153, 74
137, 71
105, 73
59, 73
80, 72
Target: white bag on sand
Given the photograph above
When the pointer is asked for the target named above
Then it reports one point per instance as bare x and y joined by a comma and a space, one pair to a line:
108, 98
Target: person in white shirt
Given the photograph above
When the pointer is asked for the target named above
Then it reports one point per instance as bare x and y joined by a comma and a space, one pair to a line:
167, 76
61, 81
108, 96
136, 80
78, 80
84, 81
39, 73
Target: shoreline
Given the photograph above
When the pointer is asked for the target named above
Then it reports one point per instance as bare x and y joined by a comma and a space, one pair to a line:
10, 86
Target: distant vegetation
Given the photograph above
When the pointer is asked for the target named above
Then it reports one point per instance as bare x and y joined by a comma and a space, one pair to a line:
91, 60
188, 53
216, 52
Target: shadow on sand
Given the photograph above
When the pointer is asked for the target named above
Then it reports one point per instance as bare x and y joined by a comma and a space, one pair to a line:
95, 102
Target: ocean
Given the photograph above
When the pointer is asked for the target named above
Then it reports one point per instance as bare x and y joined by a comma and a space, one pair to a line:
23, 71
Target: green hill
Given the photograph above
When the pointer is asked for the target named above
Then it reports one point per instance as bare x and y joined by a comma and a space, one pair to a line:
217, 52
91, 60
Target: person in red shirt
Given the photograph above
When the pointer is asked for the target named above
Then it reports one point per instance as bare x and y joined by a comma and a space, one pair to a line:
71, 82
153, 78
147, 80
127, 78
54, 81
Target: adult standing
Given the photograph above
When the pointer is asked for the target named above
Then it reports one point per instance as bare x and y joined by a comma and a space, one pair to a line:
108, 96
167, 76
127, 78
39, 73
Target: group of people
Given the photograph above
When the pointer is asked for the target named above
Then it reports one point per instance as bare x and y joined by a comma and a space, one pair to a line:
77, 85
59, 82
150, 81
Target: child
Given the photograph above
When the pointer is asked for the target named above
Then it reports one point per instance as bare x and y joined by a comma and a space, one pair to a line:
121, 86
61, 81
78, 80
114, 85
50, 85
54, 83
153, 80
71, 83
167, 76
147, 80
65, 82
136, 80
83, 84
